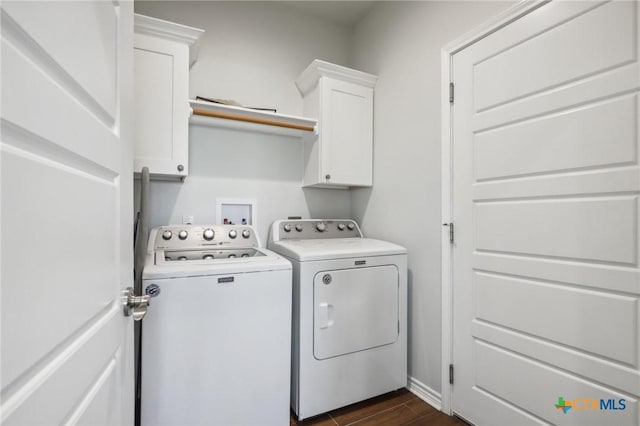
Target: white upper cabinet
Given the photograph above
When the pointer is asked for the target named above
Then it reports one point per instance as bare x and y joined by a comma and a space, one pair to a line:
342, 99
163, 53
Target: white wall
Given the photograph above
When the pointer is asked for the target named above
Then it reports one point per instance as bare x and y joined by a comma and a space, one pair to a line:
400, 42
251, 52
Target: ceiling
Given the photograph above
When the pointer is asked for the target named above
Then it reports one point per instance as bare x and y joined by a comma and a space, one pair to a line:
345, 13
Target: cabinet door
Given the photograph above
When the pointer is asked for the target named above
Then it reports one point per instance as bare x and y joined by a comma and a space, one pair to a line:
162, 106
346, 134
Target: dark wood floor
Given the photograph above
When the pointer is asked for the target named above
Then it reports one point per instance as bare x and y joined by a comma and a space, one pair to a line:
397, 408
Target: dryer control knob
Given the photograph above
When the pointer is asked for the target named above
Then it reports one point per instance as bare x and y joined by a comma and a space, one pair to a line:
246, 233
166, 235
183, 234
208, 234
233, 233
351, 226
321, 226
341, 226
287, 227
299, 227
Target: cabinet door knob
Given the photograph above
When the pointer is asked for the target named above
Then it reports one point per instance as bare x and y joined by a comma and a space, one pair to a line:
180, 167
327, 177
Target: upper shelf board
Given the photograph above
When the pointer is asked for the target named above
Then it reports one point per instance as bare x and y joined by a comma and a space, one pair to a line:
221, 115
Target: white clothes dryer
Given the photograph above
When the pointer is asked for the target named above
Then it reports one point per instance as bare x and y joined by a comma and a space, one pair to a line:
349, 313
216, 340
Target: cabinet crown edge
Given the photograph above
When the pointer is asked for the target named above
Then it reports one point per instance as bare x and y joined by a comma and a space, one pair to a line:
308, 79
171, 31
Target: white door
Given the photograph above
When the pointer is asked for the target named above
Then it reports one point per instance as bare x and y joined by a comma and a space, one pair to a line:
346, 133
545, 202
355, 310
67, 349
162, 126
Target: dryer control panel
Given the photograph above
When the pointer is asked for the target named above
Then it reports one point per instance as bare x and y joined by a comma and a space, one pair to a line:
307, 229
196, 236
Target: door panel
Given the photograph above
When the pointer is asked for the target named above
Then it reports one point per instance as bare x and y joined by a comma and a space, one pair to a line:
347, 113
94, 80
74, 377
524, 148
154, 74
354, 310
593, 313
23, 347
161, 73
507, 384
66, 212
546, 292
538, 62
585, 229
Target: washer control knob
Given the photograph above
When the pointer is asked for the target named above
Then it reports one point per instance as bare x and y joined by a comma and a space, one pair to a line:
287, 227
233, 233
299, 227
166, 235
208, 234
246, 233
321, 226
341, 226
351, 226
183, 234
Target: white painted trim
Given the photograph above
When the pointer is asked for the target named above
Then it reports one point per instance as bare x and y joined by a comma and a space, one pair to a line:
447, 217
170, 31
508, 16
309, 78
492, 25
165, 29
425, 393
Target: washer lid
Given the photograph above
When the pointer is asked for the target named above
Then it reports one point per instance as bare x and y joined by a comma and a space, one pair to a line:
335, 248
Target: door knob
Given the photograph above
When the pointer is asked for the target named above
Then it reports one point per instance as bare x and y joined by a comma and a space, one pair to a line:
134, 305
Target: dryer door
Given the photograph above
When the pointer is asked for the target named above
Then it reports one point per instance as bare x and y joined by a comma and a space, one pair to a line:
354, 310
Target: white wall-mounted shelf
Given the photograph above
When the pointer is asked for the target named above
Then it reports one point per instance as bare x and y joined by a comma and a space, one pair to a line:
220, 115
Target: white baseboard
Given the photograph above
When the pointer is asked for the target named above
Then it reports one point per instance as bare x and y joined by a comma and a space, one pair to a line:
425, 393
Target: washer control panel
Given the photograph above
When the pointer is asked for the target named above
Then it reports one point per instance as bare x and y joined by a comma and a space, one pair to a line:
307, 229
195, 236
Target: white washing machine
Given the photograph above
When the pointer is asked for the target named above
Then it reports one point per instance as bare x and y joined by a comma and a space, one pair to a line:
349, 313
216, 340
